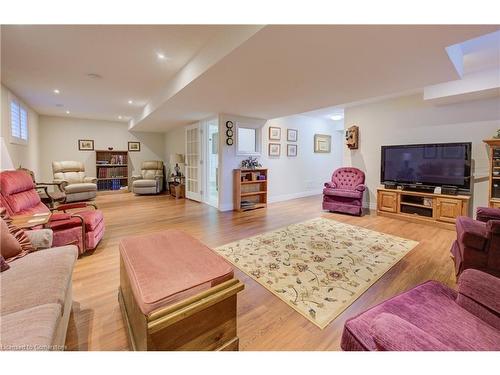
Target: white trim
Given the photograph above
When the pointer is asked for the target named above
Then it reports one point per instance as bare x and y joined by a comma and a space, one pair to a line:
280, 198
287, 197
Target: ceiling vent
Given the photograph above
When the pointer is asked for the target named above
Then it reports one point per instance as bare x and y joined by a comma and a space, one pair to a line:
94, 76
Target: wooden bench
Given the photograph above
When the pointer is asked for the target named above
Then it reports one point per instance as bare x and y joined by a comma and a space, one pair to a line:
177, 294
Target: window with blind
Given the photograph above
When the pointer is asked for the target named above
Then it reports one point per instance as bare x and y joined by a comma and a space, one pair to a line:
18, 122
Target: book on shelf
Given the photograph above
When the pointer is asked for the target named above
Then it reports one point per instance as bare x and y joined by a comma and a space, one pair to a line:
112, 184
112, 172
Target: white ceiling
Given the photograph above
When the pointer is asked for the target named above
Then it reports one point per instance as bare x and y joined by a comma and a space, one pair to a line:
276, 71
38, 59
481, 53
283, 70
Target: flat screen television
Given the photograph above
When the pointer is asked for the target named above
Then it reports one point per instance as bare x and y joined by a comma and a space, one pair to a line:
434, 164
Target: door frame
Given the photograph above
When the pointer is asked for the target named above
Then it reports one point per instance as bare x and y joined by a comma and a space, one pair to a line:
206, 160
196, 196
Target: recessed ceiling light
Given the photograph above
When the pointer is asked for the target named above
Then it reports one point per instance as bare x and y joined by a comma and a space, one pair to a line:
161, 56
130, 102
337, 117
56, 91
119, 117
68, 112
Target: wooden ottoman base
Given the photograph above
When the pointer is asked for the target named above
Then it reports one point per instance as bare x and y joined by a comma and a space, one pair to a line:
205, 321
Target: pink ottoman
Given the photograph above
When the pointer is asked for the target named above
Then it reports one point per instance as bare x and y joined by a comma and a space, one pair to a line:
177, 294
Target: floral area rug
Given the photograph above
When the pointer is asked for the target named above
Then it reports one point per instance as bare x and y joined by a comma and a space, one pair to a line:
318, 267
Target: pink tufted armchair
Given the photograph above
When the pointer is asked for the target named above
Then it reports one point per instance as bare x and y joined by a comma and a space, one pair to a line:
344, 193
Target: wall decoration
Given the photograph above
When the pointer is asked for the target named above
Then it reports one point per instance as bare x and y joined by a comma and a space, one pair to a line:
274, 133
291, 135
85, 145
351, 137
291, 150
322, 143
134, 146
274, 149
250, 163
229, 133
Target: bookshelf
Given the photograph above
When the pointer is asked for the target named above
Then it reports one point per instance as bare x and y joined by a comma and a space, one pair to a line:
250, 189
111, 169
494, 172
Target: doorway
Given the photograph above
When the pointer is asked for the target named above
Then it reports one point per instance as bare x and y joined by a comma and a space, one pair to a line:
211, 170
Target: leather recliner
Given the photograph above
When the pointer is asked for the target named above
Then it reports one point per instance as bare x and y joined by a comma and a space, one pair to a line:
77, 186
150, 181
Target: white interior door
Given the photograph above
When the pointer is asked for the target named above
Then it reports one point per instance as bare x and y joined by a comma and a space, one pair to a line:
210, 161
193, 162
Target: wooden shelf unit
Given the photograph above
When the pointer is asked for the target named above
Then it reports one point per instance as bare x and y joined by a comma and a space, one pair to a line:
426, 208
247, 188
494, 181
114, 169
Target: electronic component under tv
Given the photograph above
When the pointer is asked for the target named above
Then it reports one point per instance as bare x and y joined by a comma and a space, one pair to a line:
428, 164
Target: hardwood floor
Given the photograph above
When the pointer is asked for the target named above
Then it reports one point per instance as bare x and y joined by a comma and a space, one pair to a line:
265, 322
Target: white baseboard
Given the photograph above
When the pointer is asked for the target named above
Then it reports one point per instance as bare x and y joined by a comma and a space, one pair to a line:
225, 207
371, 206
287, 197
302, 194
278, 198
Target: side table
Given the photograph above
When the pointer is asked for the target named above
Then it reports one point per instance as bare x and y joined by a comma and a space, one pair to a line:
177, 190
31, 220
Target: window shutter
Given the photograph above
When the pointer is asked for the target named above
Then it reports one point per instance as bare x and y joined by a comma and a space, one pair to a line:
24, 124
18, 121
15, 119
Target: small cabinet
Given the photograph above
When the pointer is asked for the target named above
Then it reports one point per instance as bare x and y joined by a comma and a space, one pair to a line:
495, 204
387, 201
448, 209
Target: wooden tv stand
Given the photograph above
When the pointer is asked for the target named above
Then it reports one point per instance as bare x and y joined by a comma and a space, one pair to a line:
425, 208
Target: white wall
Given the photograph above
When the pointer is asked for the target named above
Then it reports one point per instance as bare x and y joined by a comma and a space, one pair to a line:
59, 141
21, 155
175, 143
289, 177
409, 119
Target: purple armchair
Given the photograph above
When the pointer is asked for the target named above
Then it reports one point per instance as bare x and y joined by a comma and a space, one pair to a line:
478, 242
344, 193
432, 317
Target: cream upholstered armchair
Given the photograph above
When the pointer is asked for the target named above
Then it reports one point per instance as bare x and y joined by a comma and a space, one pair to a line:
76, 185
150, 181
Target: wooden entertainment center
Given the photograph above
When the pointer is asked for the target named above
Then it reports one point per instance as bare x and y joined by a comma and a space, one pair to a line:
427, 208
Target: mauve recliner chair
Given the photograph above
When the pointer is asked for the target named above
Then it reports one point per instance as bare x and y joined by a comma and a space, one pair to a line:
432, 317
344, 193
478, 242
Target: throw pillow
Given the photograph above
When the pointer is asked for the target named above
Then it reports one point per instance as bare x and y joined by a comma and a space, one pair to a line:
3, 264
10, 247
18, 234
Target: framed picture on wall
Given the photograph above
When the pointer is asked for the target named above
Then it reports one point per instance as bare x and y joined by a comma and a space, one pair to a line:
322, 143
85, 145
274, 133
291, 135
291, 150
134, 146
274, 149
